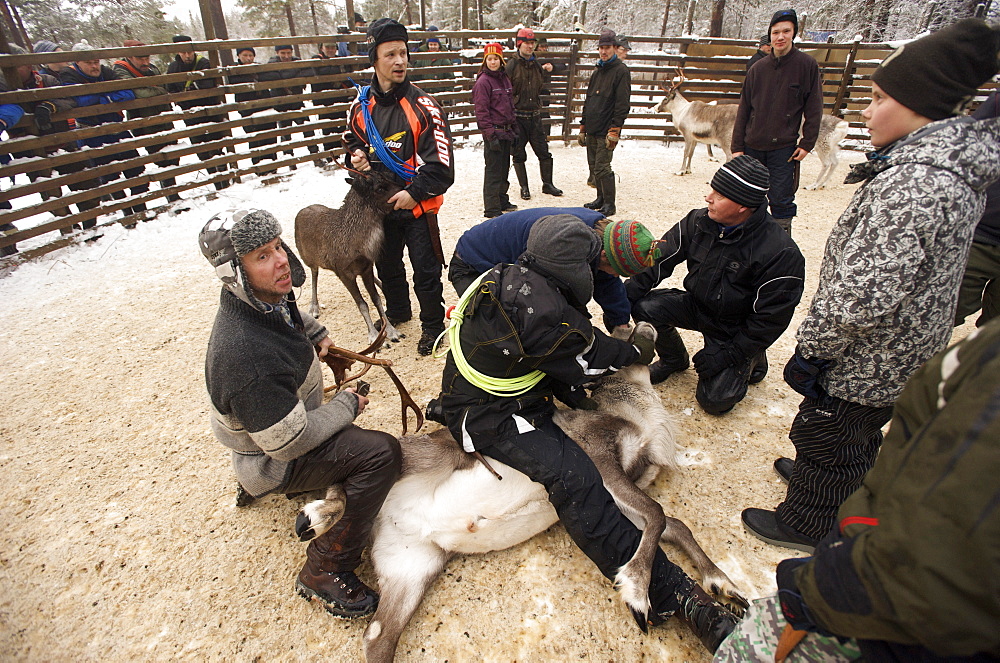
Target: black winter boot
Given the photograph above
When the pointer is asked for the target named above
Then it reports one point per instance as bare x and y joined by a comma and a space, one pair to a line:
522, 179
708, 619
608, 189
673, 356
758, 367
785, 224
545, 167
598, 202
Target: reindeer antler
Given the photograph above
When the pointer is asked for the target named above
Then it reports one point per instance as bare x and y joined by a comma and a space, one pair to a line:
335, 357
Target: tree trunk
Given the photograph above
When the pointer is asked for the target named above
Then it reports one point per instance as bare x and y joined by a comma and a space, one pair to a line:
352, 46
689, 23
312, 10
221, 30
20, 25
291, 26
718, 11
12, 33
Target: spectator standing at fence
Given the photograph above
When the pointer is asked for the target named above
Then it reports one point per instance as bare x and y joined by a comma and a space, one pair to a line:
136, 67
889, 282
91, 70
43, 125
604, 111
284, 53
423, 163
980, 288
779, 91
189, 61
622, 47
763, 50
50, 68
262, 370
526, 75
744, 279
493, 98
10, 115
245, 56
327, 54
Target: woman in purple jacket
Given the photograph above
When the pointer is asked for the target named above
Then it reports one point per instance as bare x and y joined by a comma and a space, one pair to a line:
493, 97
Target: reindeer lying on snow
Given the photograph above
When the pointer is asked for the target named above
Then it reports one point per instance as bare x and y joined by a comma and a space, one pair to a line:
347, 241
446, 503
705, 123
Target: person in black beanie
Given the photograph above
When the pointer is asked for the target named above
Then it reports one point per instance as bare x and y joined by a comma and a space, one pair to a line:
745, 278
264, 381
763, 50
422, 162
780, 94
889, 282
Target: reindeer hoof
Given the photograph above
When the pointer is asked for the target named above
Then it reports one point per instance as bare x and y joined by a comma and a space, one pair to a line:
640, 620
737, 604
304, 528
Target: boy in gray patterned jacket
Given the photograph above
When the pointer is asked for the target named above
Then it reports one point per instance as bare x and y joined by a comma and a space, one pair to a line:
890, 274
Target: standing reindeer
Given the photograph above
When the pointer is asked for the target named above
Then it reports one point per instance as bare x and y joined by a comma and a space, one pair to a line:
347, 241
705, 123
446, 503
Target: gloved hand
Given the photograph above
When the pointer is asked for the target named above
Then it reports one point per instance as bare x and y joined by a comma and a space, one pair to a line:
493, 145
581, 138
646, 349
712, 360
793, 607
43, 115
586, 403
614, 135
801, 374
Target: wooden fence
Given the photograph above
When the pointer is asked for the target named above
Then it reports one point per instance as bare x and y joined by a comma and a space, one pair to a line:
45, 166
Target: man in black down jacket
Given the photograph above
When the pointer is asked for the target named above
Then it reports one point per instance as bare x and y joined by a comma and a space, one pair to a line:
745, 277
604, 113
532, 316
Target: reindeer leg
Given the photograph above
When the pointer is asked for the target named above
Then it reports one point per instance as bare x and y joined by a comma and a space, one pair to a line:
316, 518
314, 305
406, 569
689, 144
368, 278
351, 283
712, 577
711, 157
632, 579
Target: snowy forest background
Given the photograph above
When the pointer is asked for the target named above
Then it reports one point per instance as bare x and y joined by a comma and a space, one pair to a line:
106, 23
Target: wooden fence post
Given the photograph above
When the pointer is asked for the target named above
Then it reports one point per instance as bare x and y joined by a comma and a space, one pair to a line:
845, 80
574, 58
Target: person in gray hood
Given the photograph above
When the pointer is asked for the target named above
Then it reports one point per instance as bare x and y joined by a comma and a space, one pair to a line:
264, 380
889, 282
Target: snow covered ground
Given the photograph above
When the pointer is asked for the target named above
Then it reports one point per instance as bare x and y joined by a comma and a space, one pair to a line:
121, 539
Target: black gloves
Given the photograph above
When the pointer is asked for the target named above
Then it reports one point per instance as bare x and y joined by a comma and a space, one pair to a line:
43, 115
493, 145
646, 349
712, 360
792, 606
801, 374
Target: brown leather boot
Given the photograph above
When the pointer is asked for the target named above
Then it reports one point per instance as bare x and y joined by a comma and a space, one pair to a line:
342, 593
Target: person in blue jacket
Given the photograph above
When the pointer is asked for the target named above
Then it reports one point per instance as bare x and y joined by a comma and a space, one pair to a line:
504, 238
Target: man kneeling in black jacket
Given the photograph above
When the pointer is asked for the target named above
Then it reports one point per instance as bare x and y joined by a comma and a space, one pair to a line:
744, 279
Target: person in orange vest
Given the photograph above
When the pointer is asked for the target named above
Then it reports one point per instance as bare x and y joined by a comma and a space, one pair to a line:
398, 129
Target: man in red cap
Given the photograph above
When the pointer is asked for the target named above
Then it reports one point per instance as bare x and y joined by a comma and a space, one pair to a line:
526, 73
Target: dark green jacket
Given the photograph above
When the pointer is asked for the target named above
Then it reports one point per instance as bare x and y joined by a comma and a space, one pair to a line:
916, 565
608, 94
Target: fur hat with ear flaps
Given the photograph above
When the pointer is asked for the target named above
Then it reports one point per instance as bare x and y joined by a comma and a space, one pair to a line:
229, 236
565, 248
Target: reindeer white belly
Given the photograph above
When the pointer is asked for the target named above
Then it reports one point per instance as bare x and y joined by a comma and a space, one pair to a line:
470, 511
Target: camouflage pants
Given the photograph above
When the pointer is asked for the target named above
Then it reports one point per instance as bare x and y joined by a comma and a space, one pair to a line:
756, 639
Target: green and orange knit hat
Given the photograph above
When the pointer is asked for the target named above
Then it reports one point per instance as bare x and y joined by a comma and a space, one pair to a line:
629, 247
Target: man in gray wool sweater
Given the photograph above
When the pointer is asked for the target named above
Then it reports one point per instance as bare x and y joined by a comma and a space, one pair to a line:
263, 375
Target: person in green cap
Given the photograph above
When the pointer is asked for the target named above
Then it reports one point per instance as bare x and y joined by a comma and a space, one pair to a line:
502, 239
745, 277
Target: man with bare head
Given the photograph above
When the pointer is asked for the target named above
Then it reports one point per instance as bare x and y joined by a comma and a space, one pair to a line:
399, 130
779, 91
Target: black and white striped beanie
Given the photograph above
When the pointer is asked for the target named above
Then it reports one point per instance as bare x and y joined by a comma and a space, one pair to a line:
743, 180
